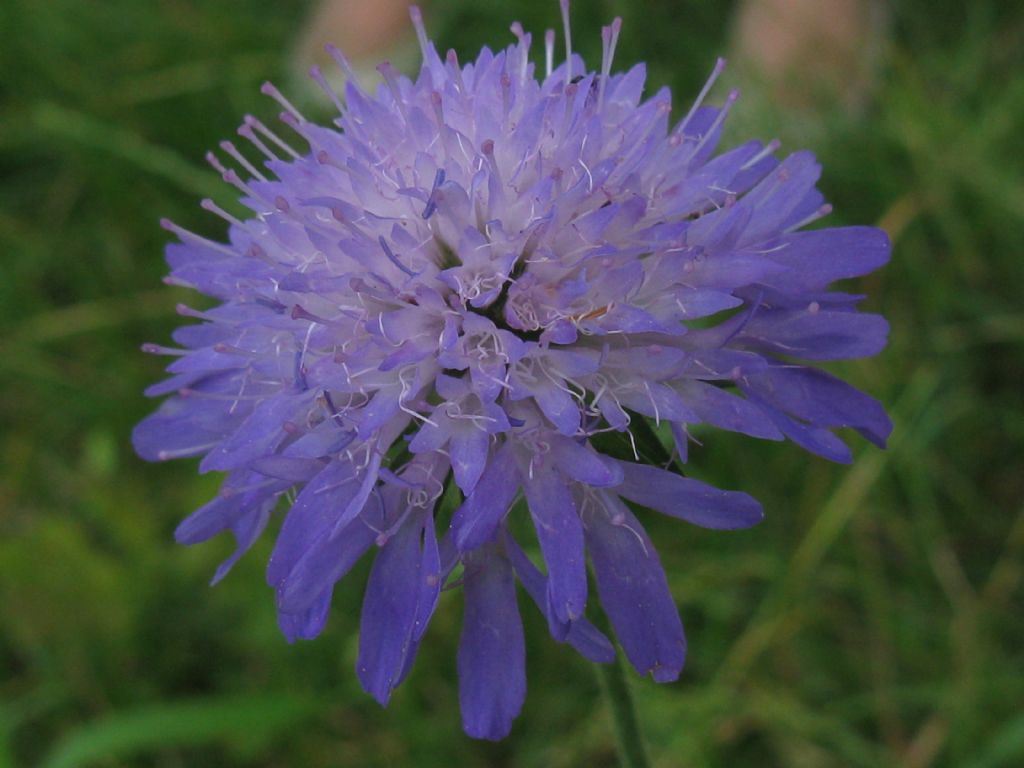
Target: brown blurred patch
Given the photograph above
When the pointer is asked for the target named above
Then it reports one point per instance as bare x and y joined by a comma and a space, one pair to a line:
809, 51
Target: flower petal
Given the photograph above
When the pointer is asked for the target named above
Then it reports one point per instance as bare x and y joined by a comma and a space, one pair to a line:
688, 499
634, 591
582, 635
492, 651
561, 540
476, 521
391, 608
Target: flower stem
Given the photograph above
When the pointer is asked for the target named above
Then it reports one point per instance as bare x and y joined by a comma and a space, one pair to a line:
630, 742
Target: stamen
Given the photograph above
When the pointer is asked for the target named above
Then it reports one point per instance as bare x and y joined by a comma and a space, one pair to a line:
269, 89
391, 75
208, 205
185, 235
609, 39
719, 119
343, 64
394, 259
259, 126
821, 213
452, 60
232, 150
421, 31
770, 147
158, 349
215, 162
431, 206
568, 40
318, 77
524, 49
719, 68
246, 132
549, 51
232, 178
184, 452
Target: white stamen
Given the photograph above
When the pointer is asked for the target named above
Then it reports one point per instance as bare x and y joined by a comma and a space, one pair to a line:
823, 211
269, 89
568, 40
609, 39
318, 77
184, 234
208, 205
770, 147
719, 68
716, 124
421, 31
549, 51
182, 452
259, 126
232, 150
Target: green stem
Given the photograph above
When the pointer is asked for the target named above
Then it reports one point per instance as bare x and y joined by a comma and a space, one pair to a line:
630, 742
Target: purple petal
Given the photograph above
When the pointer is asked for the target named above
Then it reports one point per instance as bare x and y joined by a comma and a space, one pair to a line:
309, 623
817, 334
634, 592
727, 411
379, 410
476, 521
817, 440
311, 516
181, 428
583, 463
582, 635
322, 565
561, 540
821, 399
558, 406
257, 436
688, 499
468, 448
822, 256
391, 607
492, 652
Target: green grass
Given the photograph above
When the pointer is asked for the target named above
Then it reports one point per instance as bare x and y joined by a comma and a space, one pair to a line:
873, 619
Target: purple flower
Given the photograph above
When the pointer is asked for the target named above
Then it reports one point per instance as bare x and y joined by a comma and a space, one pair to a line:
482, 278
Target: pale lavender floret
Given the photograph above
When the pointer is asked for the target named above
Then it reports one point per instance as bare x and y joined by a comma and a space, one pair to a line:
471, 281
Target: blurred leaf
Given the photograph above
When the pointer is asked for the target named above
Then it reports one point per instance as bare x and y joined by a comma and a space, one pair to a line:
1005, 748
81, 129
237, 718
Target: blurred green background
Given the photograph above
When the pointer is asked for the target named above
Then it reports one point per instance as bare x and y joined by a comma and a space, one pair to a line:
874, 619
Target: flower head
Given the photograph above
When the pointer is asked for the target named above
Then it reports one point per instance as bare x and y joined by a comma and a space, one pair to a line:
476, 277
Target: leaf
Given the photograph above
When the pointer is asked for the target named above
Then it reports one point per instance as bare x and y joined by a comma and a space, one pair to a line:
1006, 747
180, 724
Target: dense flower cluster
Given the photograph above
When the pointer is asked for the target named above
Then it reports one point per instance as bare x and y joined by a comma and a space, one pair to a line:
475, 277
